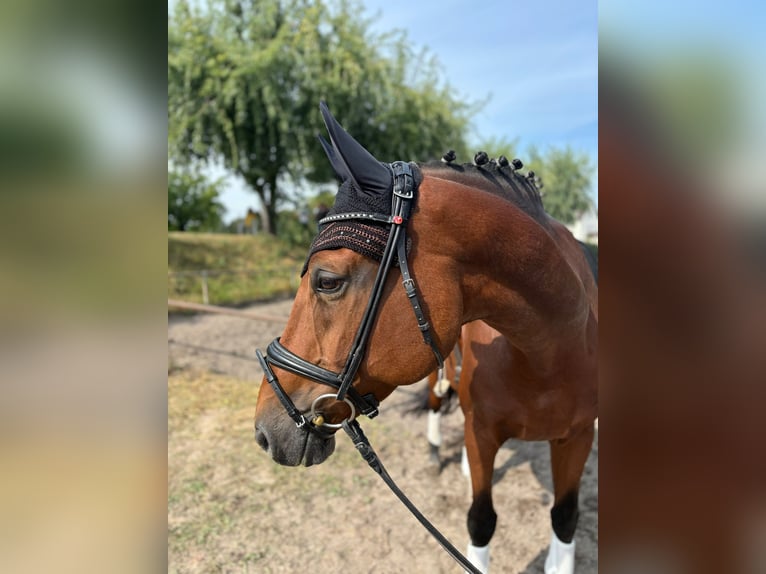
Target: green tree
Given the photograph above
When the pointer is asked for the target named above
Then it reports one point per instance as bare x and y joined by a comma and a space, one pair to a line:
245, 78
565, 175
193, 203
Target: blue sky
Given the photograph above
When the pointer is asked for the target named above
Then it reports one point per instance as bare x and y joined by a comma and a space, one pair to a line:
537, 60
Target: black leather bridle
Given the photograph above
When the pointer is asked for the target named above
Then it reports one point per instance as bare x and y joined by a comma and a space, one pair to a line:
278, 355
404, 190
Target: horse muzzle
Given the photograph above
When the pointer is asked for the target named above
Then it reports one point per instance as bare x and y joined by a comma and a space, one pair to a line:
289, 445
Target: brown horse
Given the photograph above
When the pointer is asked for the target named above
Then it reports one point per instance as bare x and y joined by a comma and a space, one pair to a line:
481, 247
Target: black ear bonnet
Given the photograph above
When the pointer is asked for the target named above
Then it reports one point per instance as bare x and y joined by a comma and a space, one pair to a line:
367, 187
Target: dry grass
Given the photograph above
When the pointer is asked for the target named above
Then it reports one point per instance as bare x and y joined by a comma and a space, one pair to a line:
231, 509
224, 493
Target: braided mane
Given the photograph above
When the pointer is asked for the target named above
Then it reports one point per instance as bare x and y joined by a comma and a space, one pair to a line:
493, 178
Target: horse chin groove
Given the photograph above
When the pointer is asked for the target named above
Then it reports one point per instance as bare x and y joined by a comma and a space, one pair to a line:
317, 450
305, 448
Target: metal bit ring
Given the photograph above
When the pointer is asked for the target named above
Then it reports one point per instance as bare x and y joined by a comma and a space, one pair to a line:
315, 415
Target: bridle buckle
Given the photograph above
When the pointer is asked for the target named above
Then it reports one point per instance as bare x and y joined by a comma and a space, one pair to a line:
404, 183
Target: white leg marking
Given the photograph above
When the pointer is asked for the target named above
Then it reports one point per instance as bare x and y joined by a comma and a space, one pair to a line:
441, 387
464, 464
434, 428
560, 558
479, 557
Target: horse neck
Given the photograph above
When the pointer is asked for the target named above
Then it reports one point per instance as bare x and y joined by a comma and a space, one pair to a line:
512, 270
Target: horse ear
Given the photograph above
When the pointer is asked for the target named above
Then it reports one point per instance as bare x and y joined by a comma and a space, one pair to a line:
367, 173
337, 165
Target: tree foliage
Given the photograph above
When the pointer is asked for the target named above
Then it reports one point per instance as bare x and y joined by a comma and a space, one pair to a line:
565, 175
193, 203
245, 78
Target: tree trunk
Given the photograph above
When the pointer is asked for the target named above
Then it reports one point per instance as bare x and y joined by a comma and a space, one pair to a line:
271, 206
265, 219
267, 193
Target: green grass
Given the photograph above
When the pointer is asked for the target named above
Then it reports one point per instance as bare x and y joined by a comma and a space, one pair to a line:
240, 268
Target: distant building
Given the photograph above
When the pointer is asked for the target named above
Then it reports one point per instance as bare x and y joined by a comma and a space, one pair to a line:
586, 227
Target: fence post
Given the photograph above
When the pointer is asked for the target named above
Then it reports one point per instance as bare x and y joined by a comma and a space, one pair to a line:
205, 299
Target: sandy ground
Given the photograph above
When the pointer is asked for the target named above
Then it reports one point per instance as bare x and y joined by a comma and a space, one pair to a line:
231, 509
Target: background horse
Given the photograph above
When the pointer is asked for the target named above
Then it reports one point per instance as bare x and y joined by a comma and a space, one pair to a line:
481, 247
442, 388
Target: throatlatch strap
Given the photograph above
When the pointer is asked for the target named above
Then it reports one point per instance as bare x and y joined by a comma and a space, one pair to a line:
412, 294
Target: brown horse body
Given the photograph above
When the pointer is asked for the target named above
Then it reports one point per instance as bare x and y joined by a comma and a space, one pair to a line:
477, 254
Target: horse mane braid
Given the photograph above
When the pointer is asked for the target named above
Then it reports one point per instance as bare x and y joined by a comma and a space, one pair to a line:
495, 177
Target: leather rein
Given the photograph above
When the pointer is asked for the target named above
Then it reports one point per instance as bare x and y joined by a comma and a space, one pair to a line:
278, 355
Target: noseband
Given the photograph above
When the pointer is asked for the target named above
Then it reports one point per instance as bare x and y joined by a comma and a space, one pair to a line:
278, 355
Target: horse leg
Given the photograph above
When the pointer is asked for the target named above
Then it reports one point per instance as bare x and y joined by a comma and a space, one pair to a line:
434, 433
438, 388
482, 448
434, 439
568, 458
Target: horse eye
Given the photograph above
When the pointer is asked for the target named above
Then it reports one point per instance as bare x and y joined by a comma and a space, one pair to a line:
325, 283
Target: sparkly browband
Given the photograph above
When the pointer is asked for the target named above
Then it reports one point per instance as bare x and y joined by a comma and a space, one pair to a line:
368, 240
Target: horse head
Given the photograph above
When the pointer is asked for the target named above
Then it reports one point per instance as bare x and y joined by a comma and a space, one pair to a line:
354, 333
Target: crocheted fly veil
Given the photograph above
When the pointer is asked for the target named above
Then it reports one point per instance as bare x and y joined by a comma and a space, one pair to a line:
366, 187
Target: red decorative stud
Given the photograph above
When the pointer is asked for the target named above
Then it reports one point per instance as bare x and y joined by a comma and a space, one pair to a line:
398, 219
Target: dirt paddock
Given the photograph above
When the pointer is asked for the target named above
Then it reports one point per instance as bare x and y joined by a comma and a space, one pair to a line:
231, 509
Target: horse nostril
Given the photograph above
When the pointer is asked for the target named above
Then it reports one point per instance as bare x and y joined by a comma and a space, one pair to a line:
260, 438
